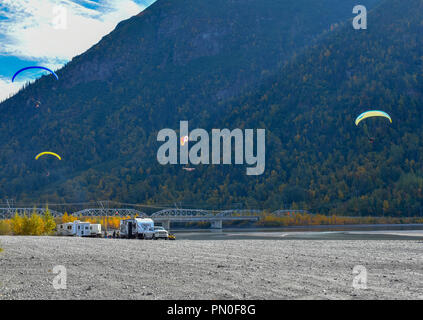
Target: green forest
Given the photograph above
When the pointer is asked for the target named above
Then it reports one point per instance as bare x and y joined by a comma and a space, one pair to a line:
297, 69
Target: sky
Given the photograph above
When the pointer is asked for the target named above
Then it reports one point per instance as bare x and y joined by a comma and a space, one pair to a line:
50, 33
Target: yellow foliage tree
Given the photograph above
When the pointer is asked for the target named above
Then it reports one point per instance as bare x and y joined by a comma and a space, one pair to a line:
5, 227
25, 225
49, 223
67, 218
35, 225
17, 224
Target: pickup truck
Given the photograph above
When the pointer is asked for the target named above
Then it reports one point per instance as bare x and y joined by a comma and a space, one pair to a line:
160, 233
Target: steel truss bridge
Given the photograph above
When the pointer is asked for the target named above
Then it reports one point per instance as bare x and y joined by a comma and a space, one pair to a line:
101, 212
165, 216
10, 212
216, 218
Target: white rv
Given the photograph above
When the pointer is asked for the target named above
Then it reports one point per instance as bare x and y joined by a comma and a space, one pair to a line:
79, 228
141, 228
66, 229
95, 230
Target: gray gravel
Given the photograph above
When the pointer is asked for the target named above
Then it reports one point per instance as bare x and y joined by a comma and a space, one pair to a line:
229, 269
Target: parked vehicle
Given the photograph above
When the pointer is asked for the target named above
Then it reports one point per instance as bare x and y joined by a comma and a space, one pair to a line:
66, 229
171, 237
95, 230
79, 229
83, 229
160, 233
141, 228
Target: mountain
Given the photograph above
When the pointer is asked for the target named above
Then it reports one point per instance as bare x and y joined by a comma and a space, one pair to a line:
318, 157
295, 68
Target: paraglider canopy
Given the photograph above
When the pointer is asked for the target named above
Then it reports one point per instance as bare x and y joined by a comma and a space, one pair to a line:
47, 153
34, 67
372, 113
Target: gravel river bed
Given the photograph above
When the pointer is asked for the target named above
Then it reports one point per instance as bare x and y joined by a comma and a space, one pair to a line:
207, 269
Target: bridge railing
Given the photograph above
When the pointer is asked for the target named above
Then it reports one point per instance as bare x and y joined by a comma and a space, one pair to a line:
10, 212
95, 212
183, 213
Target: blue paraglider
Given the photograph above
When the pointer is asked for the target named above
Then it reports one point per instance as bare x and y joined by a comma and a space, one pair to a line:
35, 67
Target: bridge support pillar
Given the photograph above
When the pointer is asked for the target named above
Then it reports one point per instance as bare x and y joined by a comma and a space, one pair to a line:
166, 224
216, 224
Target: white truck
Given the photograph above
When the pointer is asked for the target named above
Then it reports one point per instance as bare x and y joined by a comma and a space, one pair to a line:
79, 228
160, 233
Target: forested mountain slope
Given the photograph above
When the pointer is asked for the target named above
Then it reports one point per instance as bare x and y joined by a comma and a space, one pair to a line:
231, 64
318, 157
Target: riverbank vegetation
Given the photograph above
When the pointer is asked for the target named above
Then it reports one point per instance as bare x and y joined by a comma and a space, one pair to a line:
32, 225
306, 219
36, 224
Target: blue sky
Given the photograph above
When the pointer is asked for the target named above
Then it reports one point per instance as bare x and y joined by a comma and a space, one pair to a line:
51, 32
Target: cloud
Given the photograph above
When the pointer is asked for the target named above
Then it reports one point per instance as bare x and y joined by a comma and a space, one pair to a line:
29, 30
8, 89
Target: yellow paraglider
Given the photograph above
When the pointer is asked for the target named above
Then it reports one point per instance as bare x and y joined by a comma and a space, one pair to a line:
372, 113
48, 153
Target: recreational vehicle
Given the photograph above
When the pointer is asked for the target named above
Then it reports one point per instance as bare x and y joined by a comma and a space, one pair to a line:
79, 228
83, 229
66, 229
141, 228
95, 230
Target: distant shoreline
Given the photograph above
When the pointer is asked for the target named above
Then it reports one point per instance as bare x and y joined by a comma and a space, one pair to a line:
306, 227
